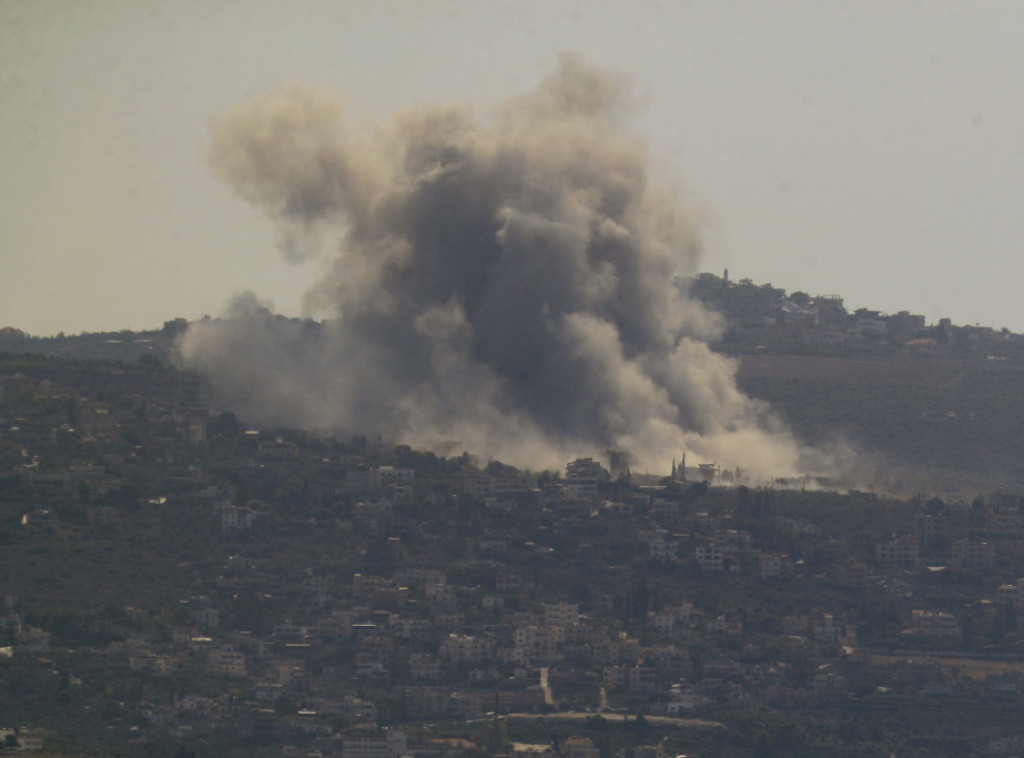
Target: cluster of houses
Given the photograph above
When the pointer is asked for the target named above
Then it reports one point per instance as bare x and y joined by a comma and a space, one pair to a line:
769, 315
468, 594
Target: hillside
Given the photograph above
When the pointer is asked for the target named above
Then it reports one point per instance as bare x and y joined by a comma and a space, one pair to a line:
951, 420
937, 404
125, 346
177, 583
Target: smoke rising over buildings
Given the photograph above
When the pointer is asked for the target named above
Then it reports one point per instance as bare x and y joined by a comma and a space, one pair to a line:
502, 283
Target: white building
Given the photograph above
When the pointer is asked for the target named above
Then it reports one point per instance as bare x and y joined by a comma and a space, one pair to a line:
582, 477
935, 623
464, 648
972, 553
561, 614
899, 551
710, 557
827, 630
226, 661
371, 744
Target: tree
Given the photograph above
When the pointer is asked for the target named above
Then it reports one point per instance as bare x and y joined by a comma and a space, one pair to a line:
225, 424
979, 514
764, 748
285, 706
497, 737
800, 298
697, 663
240, 495
497, 468
126, 497
640, 727
149, 362
247, 609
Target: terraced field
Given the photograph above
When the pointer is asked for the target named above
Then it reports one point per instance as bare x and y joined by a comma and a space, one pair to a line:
943, 417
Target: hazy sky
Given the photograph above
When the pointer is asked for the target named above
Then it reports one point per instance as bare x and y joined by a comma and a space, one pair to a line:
870, 148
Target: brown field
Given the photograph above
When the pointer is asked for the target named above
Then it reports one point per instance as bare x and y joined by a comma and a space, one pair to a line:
959, 418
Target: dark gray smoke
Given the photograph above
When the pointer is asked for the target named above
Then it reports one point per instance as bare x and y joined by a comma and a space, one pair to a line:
507, 285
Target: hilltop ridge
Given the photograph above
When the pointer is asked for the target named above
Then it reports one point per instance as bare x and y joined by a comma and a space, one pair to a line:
177, 582
758, 319
763, 319
938, 402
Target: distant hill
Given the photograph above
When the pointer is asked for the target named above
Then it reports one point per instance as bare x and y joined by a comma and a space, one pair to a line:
932, 400
942, 418
762, 319
936, 400
125, 346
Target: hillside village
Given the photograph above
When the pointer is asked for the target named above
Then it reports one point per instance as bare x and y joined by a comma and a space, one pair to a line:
763, 318
178, 582
756, 318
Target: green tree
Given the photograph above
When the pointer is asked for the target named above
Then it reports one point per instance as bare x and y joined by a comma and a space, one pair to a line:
497, 737
800, 298
239, 492
640, 728
225, 424
149, 362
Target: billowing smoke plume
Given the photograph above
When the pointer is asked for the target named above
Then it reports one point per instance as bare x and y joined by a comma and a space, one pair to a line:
505, 285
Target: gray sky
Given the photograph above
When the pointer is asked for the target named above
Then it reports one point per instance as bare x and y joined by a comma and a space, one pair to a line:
870, 148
